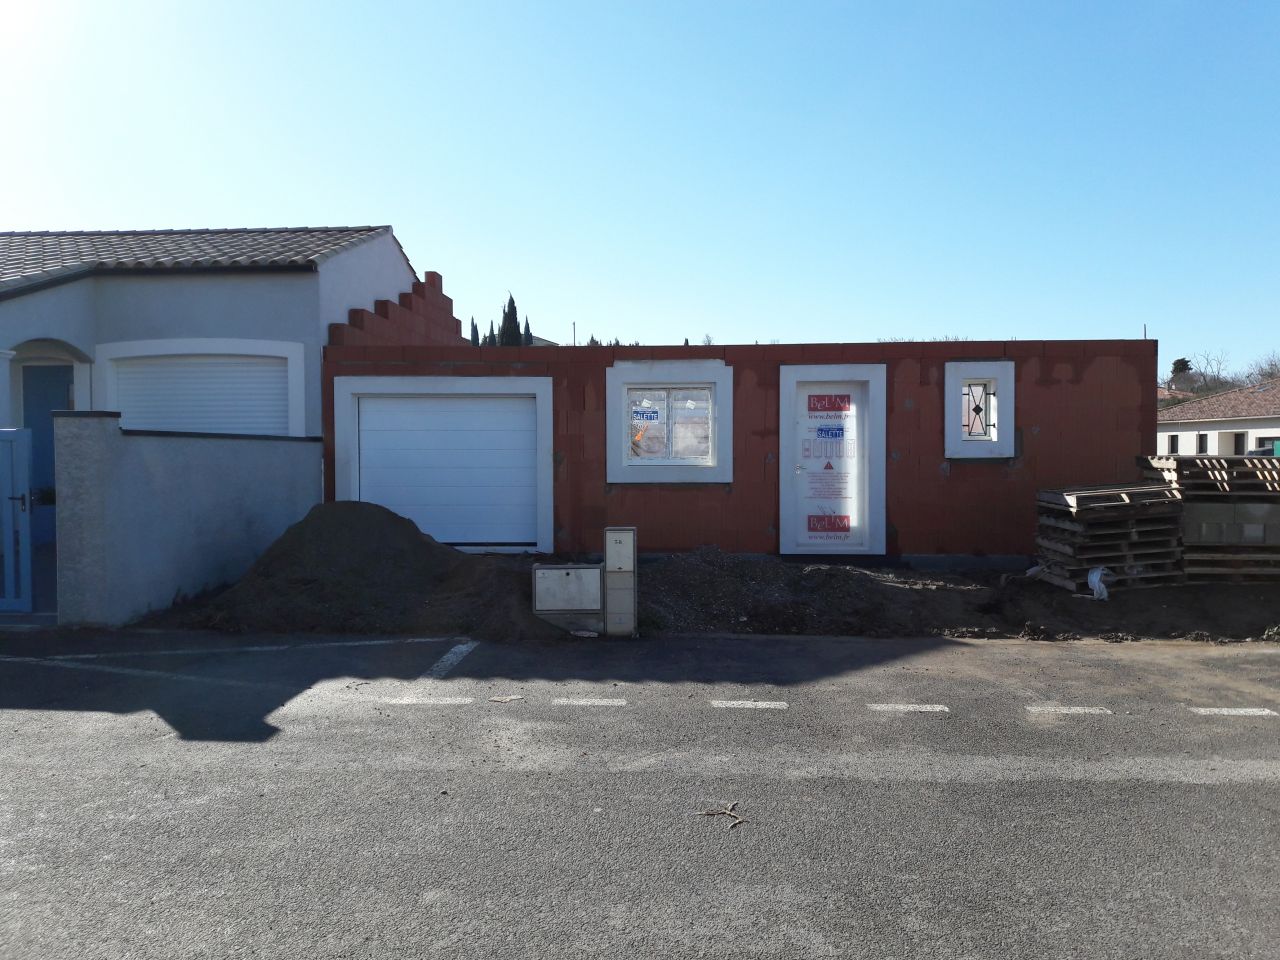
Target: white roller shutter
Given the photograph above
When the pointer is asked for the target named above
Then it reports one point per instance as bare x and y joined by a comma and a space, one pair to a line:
463, 468
212, 393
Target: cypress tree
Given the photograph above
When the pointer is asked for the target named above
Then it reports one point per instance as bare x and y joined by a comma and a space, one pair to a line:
475, 333
527, 340
491, 339
509, 332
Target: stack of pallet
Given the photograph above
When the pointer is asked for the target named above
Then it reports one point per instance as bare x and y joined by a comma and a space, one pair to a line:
1131, 530
1231, 515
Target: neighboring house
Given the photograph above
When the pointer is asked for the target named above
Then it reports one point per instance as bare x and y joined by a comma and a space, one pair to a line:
208, 332
1170, 395
1224, 424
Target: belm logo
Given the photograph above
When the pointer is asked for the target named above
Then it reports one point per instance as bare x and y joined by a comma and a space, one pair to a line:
828, 402
828, 523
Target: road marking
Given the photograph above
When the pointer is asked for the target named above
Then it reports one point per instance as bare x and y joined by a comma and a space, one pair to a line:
751, 704
587, 702
909, 707
449, 661
431, 701
149, 674
257, 648
1233, 711
1059, 708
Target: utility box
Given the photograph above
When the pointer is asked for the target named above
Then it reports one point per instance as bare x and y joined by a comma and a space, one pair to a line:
620, 617
569, 595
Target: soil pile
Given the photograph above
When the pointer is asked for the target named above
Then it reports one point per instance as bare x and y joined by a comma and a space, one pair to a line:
359, 568
710, 591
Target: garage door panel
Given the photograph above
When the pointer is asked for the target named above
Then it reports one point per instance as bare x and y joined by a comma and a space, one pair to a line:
208, 393
448, 440
463, 468
445, 463
453, 496
396, 413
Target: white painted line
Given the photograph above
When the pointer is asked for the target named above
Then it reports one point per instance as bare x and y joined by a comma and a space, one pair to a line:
587, 702
431, 701
909, 707
1059, 708
151, 674
257, 648
751, 704
449, 660
1233, 711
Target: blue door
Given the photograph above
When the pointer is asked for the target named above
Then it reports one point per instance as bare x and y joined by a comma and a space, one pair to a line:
44, 389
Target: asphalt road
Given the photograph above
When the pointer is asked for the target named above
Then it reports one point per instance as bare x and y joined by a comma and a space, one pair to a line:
278, 797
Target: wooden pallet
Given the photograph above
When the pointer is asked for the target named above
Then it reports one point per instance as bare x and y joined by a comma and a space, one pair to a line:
1198, 476
1137, 498
1134, 527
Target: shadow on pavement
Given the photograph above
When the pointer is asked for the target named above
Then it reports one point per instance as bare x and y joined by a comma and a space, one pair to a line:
219, 688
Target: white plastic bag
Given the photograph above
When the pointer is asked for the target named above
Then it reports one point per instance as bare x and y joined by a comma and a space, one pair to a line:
1097, 584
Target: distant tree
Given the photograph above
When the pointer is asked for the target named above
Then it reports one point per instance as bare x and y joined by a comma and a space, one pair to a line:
1264, 368
592, 341
1181, 365
491, 338
686, 341
475, 333
527, 339
707, 341
615, 342
1212, 374
509, 332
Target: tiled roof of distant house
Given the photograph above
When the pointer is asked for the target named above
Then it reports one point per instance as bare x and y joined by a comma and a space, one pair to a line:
35, 259
1259, 400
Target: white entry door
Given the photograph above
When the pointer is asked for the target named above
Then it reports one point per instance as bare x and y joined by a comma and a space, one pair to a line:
15, 520
831, 460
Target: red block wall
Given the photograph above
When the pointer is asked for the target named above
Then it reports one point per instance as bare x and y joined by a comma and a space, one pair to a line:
421, 317
1086, 409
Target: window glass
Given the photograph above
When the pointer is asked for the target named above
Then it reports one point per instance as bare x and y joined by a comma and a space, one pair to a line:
1202, 443
691, 423
1173, 444
669, 423
647, 421
978, 409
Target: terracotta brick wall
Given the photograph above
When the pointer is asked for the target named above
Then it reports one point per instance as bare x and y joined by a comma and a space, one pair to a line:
421, 317
1085, 410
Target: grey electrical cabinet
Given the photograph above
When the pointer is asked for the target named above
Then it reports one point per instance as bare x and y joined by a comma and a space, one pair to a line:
620, 581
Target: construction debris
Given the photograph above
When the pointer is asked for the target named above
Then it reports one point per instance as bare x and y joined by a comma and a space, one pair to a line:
1231, 515
1102, 538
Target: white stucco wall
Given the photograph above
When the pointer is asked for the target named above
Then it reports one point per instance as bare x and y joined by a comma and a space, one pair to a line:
261, 306
1219, 434
64, 312
375, 270
143, 519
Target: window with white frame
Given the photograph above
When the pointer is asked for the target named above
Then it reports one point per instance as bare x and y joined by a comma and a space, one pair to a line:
669, 422
979, 409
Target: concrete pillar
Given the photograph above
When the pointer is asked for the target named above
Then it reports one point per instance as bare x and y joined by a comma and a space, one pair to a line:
6, 389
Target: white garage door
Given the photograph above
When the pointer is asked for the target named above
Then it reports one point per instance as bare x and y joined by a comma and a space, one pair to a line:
212, 393
463, 468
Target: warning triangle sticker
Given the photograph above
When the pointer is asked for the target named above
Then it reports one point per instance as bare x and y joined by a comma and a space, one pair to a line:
828, 466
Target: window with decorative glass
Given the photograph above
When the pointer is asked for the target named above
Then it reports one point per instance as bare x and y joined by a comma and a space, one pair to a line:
670, 424
978, 410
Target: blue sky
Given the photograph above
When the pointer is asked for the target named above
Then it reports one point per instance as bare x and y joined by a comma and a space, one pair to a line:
789, 171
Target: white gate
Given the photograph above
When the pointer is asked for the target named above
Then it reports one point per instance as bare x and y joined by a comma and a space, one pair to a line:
831, 464
15, 520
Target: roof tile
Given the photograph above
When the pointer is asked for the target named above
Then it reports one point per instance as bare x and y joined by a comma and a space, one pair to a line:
31, 258
1257, 400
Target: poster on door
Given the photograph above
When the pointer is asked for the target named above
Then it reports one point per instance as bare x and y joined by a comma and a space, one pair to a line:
828, 467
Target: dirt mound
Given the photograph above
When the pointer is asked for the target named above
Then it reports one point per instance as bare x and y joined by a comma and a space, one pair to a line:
359, 568
710, 591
